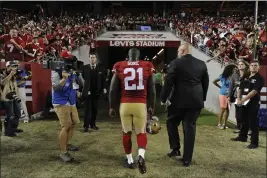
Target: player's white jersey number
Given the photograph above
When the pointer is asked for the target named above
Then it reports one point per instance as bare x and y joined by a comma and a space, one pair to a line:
132, 77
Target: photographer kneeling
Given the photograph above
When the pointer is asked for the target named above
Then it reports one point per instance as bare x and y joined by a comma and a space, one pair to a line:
10, 100
64, 102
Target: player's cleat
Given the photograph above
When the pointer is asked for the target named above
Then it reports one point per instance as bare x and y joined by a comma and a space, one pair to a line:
141, 164
127, 165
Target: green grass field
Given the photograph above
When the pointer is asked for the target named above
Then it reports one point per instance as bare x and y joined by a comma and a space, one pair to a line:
34, 153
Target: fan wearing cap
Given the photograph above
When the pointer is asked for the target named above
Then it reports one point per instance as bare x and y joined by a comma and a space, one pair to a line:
9, 98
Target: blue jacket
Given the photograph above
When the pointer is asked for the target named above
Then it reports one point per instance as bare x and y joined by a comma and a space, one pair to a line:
64, 94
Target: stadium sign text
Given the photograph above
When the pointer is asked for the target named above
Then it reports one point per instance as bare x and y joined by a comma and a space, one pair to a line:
125, 43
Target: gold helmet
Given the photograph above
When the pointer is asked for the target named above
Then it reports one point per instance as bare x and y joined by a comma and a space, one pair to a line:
153, 125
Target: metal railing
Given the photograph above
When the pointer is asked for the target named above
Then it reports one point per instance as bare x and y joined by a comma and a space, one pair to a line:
202, 48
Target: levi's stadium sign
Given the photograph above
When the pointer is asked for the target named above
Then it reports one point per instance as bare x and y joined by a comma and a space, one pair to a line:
138, 39
125, 43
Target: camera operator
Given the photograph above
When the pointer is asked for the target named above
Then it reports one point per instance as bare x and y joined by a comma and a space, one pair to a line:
64, 102
10, 99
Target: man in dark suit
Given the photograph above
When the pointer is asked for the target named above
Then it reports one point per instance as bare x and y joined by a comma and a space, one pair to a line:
187, 78
94, 86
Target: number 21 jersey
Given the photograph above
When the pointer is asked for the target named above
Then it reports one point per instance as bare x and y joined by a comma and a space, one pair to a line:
133, 77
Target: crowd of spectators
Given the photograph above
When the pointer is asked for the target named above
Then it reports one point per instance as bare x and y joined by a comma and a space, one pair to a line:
226, 39
27, 39
30, 38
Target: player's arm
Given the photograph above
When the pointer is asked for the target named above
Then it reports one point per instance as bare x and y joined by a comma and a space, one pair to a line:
114, 91
151, 89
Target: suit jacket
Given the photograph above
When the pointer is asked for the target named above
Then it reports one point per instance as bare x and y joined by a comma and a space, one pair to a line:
189, 79
100, 78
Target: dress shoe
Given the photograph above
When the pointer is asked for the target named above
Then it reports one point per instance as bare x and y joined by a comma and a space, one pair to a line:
239, 139
174, 152
94, 127
10, 134
86, 129
185, 163
253, 146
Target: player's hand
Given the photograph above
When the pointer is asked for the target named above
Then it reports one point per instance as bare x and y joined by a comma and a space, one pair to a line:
112, 112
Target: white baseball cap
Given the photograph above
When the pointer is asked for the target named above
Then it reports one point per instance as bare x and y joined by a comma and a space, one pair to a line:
11, 63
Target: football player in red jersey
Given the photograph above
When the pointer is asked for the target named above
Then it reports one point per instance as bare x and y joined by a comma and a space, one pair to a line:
133, 81
13, 45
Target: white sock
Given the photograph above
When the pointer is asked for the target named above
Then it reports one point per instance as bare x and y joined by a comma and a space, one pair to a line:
141, 152
130, 158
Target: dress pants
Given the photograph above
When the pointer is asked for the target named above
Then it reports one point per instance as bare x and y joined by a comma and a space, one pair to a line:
90, 110
250, 121
189, 118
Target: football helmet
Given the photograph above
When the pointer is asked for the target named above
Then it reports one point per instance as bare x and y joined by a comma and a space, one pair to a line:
153, 124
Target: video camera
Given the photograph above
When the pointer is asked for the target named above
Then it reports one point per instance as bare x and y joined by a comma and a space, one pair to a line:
50, 62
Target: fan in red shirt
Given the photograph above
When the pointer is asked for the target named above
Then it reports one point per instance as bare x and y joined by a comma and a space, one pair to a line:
247, 52
132, 80
263, 56
13, 46
33, 51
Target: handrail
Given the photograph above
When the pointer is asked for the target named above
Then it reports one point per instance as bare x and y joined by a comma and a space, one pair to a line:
201, 48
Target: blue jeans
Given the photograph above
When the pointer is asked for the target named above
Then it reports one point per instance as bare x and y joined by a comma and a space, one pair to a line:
12, 108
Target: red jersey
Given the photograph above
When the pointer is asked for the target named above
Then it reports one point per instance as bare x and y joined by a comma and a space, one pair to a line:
263, 56
247, 52
10, 49
33, 49
133, 77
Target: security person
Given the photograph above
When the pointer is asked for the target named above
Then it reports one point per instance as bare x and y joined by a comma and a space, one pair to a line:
186, 86
64, 102
248, 95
